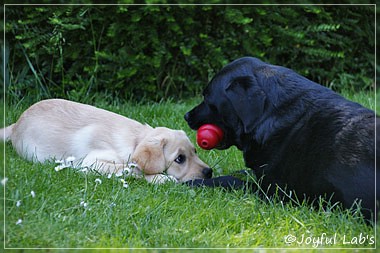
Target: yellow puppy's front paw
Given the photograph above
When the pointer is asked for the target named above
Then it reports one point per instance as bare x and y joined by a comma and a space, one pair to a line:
160, 178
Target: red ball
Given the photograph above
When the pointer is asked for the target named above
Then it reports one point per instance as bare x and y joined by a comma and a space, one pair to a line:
209, 136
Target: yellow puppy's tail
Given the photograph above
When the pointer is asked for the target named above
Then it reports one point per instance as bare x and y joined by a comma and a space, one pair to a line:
6, 132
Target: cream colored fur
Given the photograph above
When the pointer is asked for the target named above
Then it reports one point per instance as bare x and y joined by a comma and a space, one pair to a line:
102, 140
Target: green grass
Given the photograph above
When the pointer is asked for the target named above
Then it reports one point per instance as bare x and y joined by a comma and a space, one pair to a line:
159, 216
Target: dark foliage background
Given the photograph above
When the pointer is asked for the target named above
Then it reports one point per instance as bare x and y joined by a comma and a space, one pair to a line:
162, 51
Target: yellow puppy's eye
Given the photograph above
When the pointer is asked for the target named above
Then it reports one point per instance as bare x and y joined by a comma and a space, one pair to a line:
180, 159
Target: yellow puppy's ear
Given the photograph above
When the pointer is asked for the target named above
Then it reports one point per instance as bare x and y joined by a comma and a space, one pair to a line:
149, 155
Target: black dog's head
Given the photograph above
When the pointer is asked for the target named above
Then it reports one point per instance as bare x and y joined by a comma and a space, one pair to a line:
246, 99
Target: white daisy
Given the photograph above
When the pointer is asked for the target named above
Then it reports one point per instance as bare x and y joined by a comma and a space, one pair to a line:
66, 163
60, 167
84, 169
70, 159
4, 181
125, 184
119, 173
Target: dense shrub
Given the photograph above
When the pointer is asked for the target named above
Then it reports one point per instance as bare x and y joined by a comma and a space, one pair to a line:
172, 51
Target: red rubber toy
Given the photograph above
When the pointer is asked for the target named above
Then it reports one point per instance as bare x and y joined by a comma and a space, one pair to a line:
209, 136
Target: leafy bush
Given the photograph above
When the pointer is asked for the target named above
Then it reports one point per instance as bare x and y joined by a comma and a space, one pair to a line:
157, 52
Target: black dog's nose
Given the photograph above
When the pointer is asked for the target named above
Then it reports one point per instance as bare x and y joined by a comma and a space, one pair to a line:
207, 172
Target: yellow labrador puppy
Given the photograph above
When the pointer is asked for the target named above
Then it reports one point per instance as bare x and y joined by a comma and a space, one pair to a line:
103, 141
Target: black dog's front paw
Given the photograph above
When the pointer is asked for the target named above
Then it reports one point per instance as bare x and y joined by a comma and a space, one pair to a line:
227, 182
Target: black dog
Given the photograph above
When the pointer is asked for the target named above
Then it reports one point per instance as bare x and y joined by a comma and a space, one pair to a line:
294, 133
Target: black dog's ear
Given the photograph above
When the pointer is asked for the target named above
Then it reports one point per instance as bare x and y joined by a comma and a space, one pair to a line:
248, 100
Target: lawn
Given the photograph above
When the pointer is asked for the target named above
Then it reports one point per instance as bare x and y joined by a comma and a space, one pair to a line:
70, 209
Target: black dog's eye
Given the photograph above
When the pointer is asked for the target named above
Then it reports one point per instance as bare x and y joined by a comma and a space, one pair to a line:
180, 159
213, 108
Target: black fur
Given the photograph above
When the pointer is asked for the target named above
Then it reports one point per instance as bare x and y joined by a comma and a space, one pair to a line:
293, 132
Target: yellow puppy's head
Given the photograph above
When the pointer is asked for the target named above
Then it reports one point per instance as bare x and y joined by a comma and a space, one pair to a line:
169, 151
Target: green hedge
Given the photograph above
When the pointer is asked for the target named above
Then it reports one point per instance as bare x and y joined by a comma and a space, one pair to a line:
156, 52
